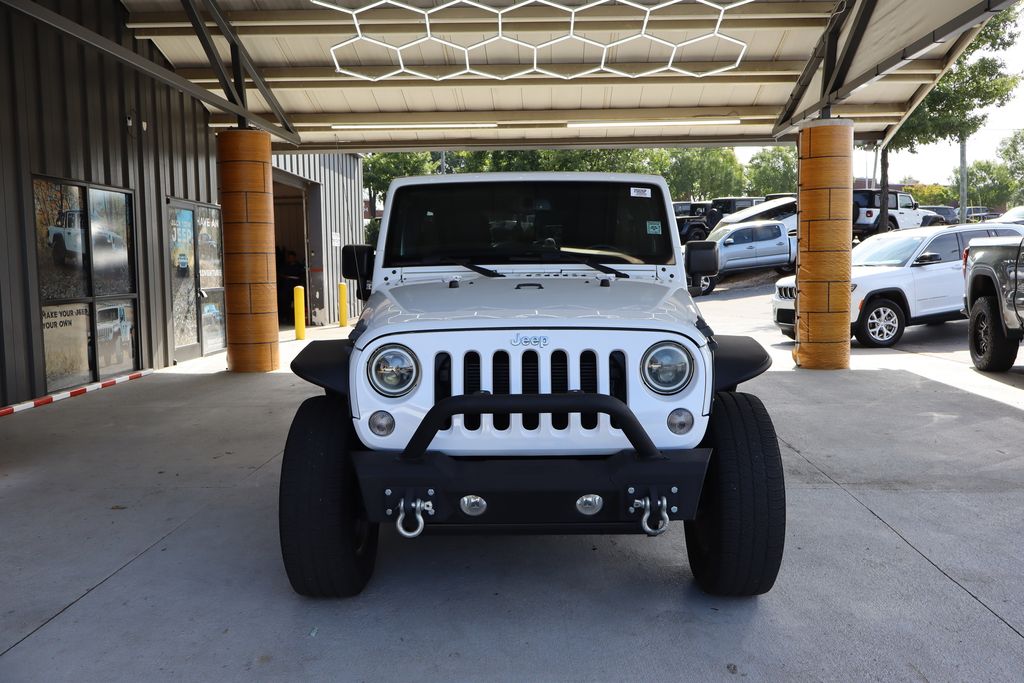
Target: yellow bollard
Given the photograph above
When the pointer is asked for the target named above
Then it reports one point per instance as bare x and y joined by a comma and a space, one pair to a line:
342, 304
300, 313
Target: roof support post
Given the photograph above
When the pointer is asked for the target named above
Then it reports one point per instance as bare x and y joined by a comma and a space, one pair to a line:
824, 238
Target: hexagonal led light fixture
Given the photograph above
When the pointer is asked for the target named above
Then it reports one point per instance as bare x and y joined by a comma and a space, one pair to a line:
459, 55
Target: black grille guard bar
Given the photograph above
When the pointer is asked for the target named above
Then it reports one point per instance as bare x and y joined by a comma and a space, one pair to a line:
576, 402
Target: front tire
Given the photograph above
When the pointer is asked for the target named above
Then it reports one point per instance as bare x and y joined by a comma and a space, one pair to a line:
707, 284
697, 234
881, 324
735, 544
991, 349
328, 545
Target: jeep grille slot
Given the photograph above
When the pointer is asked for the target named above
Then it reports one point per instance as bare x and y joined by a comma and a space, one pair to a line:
501, 385
531, 385
471, 385
588, 384
617, 379
559, 385
443, 381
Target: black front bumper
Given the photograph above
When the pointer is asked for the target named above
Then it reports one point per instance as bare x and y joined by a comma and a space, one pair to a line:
536, 493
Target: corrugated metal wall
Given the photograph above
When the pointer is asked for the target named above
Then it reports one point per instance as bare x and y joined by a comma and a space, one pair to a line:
335, 208
64, 112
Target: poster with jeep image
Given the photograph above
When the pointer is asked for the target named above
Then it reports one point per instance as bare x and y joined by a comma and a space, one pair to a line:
61, 244
183, 281
110, 233
115, 336
66, 342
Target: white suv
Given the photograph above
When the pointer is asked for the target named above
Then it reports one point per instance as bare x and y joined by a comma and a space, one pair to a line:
909, 277
904, 213
529, 359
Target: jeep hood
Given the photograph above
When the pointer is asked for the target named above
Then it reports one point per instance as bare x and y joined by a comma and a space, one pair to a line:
511, 302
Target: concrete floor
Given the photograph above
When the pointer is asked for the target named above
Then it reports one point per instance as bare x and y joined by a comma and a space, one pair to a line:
140, 541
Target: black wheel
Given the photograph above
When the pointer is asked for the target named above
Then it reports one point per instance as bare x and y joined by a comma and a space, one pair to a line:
707, 284
991, 349
328, 545
735, 543
786, 270
881, 323
893, 225
60, 252
697, 234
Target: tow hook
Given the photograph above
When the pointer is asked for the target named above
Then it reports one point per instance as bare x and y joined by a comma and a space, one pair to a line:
662, 525
418, 508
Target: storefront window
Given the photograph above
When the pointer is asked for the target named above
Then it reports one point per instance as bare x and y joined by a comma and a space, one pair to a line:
67, 332
213, 322
111, 242
61, 246
183, 280
85, 257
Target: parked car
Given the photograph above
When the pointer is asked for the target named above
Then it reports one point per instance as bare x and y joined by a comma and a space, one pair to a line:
691, 220
908, 277
561, 382
948, 214
723, 206
749, 246
114, 333
1014, 215
976, 214
779, 195
782, 210
994, 301
904, 213
183, 266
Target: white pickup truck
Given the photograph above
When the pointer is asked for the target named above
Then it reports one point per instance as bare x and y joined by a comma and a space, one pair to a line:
529, 359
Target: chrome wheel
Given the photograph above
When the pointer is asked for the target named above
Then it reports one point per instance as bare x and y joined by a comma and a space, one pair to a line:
705, 284
883, 323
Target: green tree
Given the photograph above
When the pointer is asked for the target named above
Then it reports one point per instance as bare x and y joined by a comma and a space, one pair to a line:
933, 195
954, 109
703, 173
1011, 152
380, 169
467, 162
772, 169
516, 160
653, 161
990, 184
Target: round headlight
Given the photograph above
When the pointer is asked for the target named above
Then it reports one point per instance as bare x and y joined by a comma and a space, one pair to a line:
666, 368
393, 370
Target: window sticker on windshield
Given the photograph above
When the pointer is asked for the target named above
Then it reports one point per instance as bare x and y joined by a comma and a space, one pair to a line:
640, 192
653, 227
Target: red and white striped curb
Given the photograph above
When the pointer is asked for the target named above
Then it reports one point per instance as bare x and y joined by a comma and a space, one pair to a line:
53, 398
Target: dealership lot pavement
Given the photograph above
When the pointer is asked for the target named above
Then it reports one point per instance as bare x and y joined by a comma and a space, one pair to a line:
140, 541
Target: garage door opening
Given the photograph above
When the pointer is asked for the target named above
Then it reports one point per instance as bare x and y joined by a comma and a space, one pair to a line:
290, 245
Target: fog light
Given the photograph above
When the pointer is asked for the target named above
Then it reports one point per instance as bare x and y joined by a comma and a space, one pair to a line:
680, 421
382, 423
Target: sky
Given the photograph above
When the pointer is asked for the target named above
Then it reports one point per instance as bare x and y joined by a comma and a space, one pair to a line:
936, 163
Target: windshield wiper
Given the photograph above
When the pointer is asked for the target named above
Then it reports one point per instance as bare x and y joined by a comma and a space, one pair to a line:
469, 265
585, 260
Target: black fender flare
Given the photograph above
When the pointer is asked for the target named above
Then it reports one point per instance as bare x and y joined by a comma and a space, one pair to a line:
737, 359
325, 363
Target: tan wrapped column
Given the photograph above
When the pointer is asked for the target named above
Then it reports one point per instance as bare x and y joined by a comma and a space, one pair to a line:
825, 239
250, 271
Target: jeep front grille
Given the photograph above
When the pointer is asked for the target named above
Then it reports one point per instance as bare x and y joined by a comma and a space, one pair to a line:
530, 372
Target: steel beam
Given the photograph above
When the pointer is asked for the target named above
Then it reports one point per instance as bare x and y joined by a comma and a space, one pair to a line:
143, 65
212, 55
842, 67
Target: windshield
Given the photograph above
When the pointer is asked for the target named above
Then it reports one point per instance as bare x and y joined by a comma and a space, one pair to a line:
776, 209
886, 250
528, 222
719, 233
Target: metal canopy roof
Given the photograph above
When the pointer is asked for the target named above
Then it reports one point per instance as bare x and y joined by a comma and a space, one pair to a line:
429, 74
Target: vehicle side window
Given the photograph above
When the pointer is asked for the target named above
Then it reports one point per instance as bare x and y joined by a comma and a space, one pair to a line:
1005, 232
743, 204
892, 200
862, 200
945, 246
906, 201
744, 236
767, 232
968, 235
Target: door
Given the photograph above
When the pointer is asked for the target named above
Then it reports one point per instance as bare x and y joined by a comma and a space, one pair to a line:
738, 250
771, 246
197, 280
939, 286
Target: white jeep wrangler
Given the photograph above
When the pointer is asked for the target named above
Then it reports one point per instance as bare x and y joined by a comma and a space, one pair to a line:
529, 359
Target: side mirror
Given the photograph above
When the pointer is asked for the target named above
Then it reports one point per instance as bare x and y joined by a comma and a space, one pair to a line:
927, 258
357, 264
701, 259
729, 241
916, 206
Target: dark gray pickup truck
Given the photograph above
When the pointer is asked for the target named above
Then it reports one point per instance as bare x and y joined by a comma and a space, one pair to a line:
994, 301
